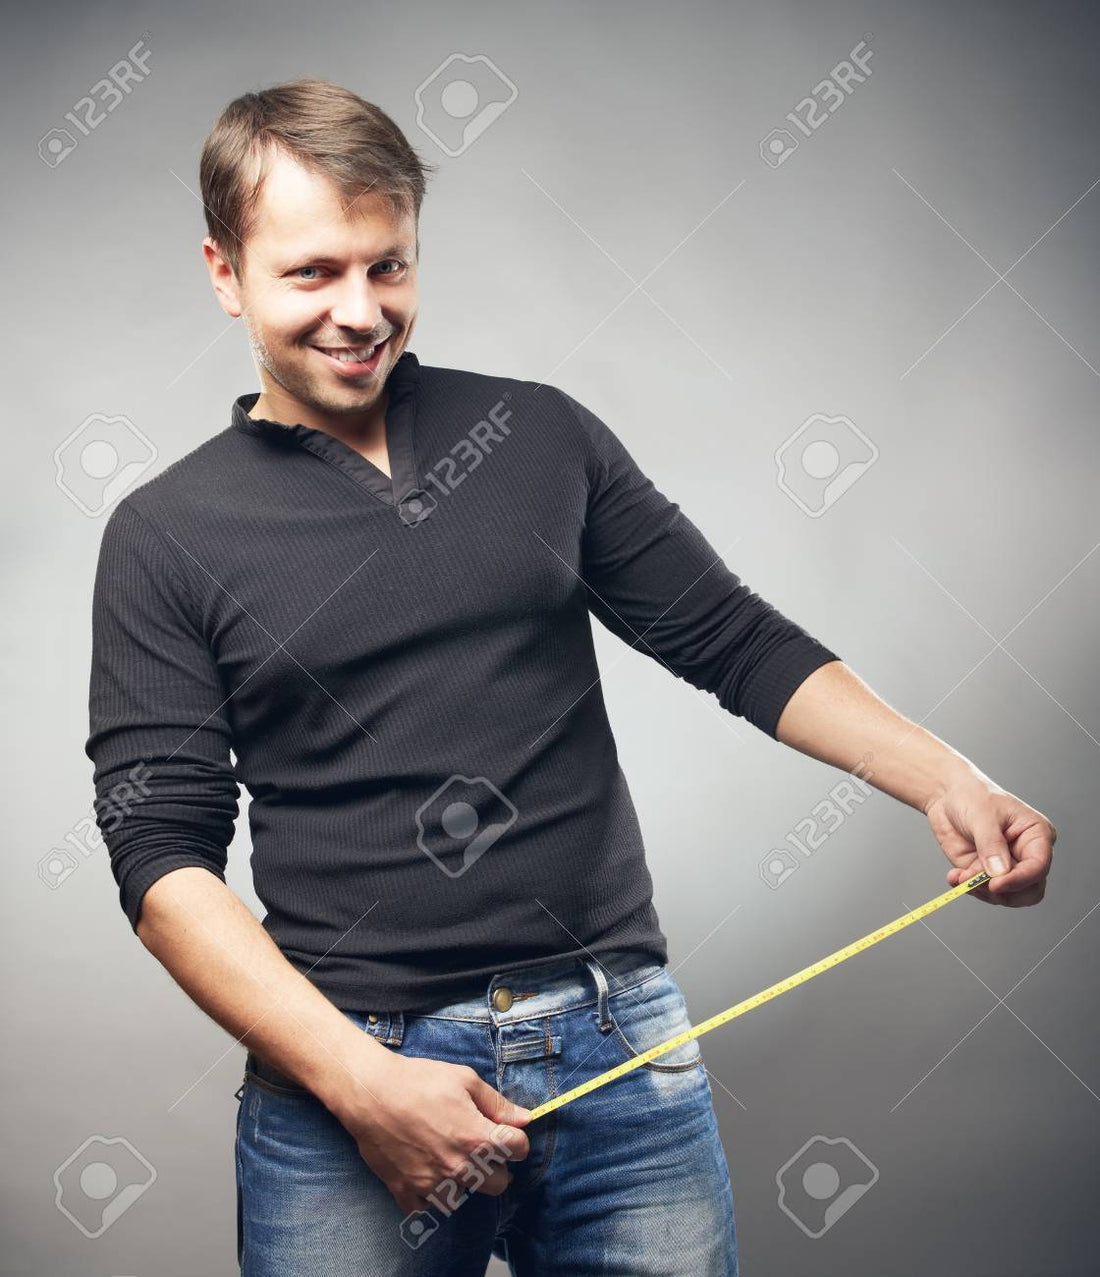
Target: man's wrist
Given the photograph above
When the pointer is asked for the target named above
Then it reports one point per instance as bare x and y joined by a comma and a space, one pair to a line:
918, 768
349, 1076
946, 770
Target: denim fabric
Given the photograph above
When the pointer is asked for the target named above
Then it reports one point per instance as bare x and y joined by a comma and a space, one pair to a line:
630, 1179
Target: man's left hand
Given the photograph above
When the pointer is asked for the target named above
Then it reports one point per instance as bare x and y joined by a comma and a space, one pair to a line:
978, 824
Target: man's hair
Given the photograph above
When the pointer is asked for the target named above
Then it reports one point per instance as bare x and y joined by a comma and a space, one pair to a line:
328, 130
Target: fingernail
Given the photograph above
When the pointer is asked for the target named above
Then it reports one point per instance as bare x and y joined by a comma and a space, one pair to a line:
997, 864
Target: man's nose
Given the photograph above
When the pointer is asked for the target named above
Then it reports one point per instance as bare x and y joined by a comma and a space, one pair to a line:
356, 307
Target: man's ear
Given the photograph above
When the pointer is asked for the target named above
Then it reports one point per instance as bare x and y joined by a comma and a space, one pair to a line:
224, 281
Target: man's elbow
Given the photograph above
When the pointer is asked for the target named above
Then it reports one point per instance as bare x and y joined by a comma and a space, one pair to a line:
163, 902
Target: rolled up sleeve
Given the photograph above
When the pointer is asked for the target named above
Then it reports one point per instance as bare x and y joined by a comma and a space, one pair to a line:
656, 582
159, 734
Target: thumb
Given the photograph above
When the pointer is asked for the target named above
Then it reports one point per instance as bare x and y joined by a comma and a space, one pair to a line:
497, 1107
989, 842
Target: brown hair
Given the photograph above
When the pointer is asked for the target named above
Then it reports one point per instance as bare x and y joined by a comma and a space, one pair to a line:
325, 128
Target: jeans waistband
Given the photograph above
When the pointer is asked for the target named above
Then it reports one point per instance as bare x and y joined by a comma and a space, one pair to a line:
514, 994
550, 987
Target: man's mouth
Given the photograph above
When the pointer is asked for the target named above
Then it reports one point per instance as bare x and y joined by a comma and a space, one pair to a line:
353, 361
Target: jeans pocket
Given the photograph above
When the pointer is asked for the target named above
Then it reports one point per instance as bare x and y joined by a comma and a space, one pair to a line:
648, 1014
259, 1073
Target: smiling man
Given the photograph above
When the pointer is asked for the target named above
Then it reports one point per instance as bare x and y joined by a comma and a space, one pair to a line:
375, 586
325, 349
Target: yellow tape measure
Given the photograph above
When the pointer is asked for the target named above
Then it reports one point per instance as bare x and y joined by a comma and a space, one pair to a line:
791, 982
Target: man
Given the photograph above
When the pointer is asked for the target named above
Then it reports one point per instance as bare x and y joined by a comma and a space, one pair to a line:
375, 586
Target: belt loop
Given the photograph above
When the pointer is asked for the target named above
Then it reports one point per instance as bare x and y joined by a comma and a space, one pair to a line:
395, 1028
386, 1026
601, 991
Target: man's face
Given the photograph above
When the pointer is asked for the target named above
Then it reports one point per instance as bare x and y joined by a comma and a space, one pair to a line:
321, 282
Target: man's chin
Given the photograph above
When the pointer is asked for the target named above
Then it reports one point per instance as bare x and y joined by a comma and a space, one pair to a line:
346, 399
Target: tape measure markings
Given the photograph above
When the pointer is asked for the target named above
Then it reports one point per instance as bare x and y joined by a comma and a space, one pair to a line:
783, 986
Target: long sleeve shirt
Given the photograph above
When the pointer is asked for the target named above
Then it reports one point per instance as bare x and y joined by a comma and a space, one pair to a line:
404, 670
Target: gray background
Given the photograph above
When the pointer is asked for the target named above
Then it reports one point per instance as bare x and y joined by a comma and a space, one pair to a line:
818, 286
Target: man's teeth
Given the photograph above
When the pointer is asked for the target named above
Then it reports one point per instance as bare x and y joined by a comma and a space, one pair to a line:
346, 356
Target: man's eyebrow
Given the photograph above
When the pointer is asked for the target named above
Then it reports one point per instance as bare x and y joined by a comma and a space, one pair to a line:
392, 250
398, 250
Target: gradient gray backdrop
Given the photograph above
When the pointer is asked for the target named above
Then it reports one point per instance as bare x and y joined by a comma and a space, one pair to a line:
844, 281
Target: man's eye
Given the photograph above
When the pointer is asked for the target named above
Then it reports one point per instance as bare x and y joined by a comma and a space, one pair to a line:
396, 264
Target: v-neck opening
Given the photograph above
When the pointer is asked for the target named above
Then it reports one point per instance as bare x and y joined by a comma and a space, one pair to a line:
394, 490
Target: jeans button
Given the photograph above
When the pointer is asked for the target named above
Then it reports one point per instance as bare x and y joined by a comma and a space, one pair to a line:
372, 1018
502, 998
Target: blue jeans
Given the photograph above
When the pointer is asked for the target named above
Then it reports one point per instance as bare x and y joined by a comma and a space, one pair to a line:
630, 1179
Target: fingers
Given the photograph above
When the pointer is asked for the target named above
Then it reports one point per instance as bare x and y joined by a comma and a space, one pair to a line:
955, 875
1034, 849
513, 1144
410, 1202
496, 1107
1028, 858
509, 1143
493, 1184
485, 1168
1032, 838
1027, 876
1008, 877
1011, 899
1029, 896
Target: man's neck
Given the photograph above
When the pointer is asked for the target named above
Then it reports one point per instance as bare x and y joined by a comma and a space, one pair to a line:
366, 434
275, 404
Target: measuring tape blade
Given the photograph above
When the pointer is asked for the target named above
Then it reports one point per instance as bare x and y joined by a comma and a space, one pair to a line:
784, 986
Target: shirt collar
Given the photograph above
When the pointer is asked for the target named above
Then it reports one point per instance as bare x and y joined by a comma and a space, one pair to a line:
401, 384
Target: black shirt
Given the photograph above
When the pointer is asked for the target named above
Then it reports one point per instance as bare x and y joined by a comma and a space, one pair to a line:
404, 670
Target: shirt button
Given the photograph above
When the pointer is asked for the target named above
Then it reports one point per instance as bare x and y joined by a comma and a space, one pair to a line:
502, 998
372, 1018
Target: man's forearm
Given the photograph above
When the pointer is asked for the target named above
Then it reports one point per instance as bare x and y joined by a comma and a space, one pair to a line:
219, 953
835, 717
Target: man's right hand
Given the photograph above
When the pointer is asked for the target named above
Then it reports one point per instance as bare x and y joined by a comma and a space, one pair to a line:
428, 1127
